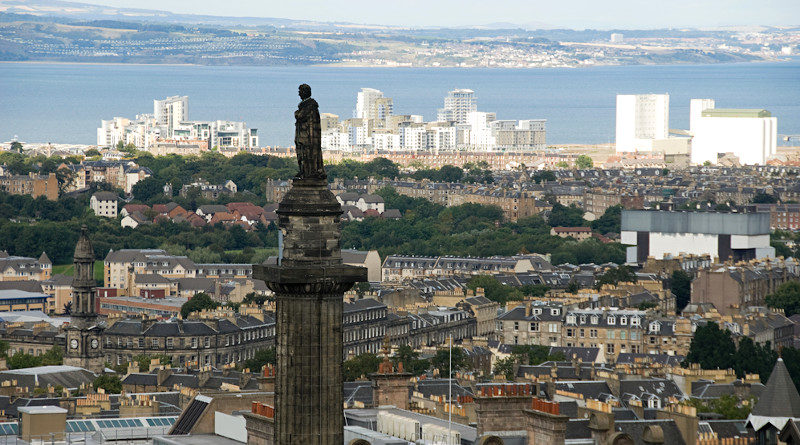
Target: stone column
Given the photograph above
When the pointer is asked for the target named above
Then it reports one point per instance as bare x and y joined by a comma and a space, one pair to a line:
309, 284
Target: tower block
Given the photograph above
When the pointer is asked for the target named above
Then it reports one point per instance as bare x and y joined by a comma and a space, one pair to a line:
309, 283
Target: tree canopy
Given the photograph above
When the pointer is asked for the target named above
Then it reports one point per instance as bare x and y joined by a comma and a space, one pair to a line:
681, 285
786, 297
197, 303
712, 347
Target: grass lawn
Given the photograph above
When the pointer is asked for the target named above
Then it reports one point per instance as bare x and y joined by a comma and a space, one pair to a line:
69, 270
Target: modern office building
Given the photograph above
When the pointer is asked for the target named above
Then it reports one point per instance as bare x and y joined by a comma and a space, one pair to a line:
662, 234
749, 134
457, 106
642, 119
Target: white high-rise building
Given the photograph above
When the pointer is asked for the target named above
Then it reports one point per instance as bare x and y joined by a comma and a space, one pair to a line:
749, 134
641, 120
112, 131
170, 112
372, 104
457, 106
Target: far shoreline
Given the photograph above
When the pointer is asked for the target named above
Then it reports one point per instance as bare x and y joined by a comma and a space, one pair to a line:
349, 65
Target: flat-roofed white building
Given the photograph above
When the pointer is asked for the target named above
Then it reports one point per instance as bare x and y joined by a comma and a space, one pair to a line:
749, 134
641, 119
663, 234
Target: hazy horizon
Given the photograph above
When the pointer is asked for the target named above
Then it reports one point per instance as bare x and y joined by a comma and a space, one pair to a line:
577, 14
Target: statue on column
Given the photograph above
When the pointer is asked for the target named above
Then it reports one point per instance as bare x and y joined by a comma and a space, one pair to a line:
308, 137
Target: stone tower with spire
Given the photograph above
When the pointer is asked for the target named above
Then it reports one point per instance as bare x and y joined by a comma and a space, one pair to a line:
84, 348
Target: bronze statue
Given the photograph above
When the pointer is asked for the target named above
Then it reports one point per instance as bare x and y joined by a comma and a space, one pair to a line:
308, 137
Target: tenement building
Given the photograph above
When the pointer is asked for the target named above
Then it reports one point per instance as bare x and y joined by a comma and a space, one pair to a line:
216, 339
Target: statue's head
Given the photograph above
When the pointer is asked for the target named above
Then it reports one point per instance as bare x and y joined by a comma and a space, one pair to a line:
305, 91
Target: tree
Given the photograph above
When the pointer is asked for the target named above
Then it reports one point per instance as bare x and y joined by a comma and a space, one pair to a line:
584, 161
610, 221
505, 367
681, 284
753, 358
786, 297
92, 152
197, 303
441, 361
54, 356
4, 346
791, 358
261, 358
616, 275
147, 189
535, 354
16, 147
109, 382
360, 365
764, 198
728, 406
572, 287
544, 175
22, 360
563, 216
68, 308
411, 362
253, 297
712, 348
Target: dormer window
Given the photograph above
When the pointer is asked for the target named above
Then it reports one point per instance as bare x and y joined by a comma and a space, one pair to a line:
583, 319
554, 311
571, 318
595, 319
612, 320
623, 320
537, 312
635, 321
654, 326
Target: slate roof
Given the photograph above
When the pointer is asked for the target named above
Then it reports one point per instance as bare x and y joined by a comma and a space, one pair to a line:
589, 389
636, 429
359, 392
661, 388
780, 397
66, 376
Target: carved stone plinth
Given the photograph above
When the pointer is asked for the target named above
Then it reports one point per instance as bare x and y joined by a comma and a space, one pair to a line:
309, 284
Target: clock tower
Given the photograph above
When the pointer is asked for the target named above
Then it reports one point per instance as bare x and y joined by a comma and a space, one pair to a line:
84, 346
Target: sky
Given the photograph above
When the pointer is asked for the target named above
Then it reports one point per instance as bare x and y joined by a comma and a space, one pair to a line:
577, 14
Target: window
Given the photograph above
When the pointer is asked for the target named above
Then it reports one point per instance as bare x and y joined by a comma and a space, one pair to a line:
612, 320
592, 333
208, 342
194, 342
535, 327
553, 327
582, 332
516, 326
169, 342
154, 342
570, 332
610, 348
623, 320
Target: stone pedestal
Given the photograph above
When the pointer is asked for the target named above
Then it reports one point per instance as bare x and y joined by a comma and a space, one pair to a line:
309, 284
391, 389
501, 413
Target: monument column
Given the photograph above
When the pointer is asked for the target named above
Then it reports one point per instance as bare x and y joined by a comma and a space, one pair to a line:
309, 283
